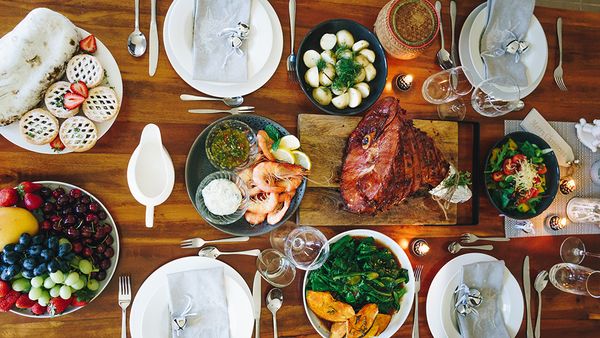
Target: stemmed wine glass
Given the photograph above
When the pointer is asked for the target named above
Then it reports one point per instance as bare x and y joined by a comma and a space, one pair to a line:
305, 246
572, 250
497, 96
445, 89
575, 279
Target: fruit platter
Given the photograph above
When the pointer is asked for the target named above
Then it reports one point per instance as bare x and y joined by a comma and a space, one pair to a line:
59, 248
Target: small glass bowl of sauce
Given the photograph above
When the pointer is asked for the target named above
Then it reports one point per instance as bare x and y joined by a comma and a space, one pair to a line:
231, 145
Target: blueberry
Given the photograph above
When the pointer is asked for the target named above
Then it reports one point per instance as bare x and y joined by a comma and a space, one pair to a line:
25, 239
47, 254
69, 257
52, 243
64, 249
28, 274
63, 266
13, 270
20, 248
38, 239
9, 248
34, 250
40, 269
11, 258
53, 266
4, 275
29, 263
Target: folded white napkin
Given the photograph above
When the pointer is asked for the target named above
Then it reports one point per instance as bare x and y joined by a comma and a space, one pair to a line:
508, 20
210, 49
206, 289
486, 321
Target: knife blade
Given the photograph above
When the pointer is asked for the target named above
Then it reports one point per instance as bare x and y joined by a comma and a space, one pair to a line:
153, 45
527, 291
257, 296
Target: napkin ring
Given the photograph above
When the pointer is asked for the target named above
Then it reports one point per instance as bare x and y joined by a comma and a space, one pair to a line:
467, 299
525, 225
180, 321
235, 39
517, 48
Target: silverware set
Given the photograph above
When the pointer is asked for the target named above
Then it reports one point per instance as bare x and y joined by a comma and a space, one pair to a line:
418, 271
558, 72
136, 42
198, 242
469, 238
124, 301
443, 57
291, 60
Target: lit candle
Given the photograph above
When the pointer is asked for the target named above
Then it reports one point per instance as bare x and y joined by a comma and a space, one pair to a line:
403, 81
567, 185
420, 247
556, 223
408, 79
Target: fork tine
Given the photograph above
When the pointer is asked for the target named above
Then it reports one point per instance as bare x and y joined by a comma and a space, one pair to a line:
120, 285
185, 241
128, 285
188, 246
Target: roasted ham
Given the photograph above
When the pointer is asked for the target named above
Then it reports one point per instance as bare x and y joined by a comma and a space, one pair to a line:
388, 159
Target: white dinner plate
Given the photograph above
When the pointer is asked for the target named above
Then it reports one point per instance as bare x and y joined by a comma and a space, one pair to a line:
265, 47
113, 75
440, 318
469, 50
150, 310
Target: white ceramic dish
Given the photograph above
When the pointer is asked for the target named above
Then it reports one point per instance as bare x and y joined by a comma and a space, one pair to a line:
469, 46
113, 261
265, 47
407, 300
113, 74
440, 297
149, 316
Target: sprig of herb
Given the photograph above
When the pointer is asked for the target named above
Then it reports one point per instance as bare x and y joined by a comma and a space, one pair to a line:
464, 179
274, 135
321, 64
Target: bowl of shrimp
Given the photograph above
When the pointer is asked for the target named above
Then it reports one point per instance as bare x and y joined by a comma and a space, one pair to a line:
274, 188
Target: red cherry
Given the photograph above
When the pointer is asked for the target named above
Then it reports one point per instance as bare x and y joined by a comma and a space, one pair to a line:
46, 225
77, 247
87, 252
109, 252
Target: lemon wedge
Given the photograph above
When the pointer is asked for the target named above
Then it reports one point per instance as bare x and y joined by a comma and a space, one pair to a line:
283, 155
289, 142
302, 159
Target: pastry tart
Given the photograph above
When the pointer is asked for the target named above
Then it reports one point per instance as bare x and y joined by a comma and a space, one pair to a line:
101, 104
78, 134
86, 68
38, 126
54, 100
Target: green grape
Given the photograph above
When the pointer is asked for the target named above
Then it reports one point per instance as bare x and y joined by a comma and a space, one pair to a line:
57, 277
44, 298
85, 266
55, 291
21, 284
78, 285
63, 241
75, 261
93, 285
65, 292
35, 293
72, 278
49, 283
37, 282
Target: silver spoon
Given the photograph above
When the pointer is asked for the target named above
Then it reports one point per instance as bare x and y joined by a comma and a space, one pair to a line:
540, 283
274, 303
213, 252
443, 56
136, 42
455, 247
235, 101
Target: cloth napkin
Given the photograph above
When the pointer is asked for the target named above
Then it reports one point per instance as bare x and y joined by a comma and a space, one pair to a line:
206, 288
210, 50
507, 20
487, 321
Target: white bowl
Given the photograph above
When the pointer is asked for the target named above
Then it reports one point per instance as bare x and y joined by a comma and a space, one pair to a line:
407, 300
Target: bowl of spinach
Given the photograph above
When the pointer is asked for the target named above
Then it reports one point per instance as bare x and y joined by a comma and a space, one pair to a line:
364, 267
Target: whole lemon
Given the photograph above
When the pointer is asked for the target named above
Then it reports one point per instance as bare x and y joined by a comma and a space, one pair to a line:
14, 222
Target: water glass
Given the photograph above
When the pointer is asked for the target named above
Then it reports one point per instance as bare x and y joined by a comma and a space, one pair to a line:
454, 110
496, 96
275, 268
576, 279
446, 86
305, 246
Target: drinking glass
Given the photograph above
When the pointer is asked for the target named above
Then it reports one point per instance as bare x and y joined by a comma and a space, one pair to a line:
497, 96
276, 268
572, 250
576, 279
445, 89
305, 246
454, 110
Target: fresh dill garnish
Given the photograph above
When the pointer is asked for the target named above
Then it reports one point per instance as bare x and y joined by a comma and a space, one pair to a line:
464, 179
346, 70
321, 64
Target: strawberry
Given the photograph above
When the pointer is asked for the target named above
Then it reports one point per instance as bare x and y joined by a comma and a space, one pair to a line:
88, 44
77, 302
73, 100
37, 309
27, 186
24, 302
58, 305
7, 302
57, 144
80, 88
4, 288
8, 197
32, 201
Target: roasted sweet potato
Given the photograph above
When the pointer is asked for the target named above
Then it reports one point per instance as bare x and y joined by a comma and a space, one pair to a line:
339, 330
326, 307
382, 321
360, 324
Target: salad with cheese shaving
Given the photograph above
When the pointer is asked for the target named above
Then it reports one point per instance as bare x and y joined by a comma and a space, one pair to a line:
516, 176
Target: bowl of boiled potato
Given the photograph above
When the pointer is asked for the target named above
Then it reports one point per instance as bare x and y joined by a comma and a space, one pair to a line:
341, 67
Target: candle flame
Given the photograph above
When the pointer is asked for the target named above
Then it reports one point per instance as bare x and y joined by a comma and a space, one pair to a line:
408, 79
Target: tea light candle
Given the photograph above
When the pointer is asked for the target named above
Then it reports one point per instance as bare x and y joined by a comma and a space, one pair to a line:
420, 247
567, 185
556, 223
404, 81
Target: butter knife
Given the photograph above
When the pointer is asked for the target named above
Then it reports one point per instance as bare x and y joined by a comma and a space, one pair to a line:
153, 46
453, 26
527, 291
257, 296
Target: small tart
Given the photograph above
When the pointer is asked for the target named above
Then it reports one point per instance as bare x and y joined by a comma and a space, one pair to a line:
86, 68
78, 134
38, 126
101, 104
54, 100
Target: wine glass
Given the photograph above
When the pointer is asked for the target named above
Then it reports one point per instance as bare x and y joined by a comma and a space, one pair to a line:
275, 268
445, 89
576, 279
572, 250
305, 246
497, 96
453, 110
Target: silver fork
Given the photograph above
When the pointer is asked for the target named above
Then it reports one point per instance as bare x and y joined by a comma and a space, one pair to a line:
199, 242
558, 72
232, 111
124, 301
291, 60
471, 238
418, 272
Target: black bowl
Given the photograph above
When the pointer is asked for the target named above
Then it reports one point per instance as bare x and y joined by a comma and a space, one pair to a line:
360, 32
552, 176
197, 167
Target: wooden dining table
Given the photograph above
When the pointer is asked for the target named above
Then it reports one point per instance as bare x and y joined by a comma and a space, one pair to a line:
146, 99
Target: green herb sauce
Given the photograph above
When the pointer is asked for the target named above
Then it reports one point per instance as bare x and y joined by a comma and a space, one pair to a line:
230, 148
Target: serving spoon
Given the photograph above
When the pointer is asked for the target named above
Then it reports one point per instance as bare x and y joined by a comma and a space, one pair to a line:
136, 42
443, 56
455, 247
213, 252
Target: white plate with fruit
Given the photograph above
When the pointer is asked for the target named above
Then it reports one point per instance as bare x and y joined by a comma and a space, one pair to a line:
60, 248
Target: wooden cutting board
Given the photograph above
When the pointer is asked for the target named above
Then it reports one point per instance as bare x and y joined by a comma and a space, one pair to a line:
323, 138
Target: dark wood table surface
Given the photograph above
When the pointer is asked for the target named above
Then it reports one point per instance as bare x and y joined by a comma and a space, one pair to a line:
156, 100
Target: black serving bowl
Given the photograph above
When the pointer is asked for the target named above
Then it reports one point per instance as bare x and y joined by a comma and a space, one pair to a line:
359, 32
552, 175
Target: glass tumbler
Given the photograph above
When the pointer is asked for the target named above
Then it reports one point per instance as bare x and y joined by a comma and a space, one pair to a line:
576, 279
275, 268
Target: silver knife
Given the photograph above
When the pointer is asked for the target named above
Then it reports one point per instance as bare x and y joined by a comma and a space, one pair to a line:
153, 39
453, 23
257, 295
527, 291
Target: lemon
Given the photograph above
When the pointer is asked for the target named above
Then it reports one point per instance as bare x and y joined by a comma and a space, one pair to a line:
289, 142
302, 159
283, 155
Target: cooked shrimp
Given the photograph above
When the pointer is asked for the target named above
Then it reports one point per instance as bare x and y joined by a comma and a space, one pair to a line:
267, 175
265, 143
263, 203
276, 215
290, 184
246, 176
253, 218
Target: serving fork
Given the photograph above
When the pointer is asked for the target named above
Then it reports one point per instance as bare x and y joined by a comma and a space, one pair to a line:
232, 111
471, 238
291, 60
124, 301
418, 271
199, 242
558, 72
